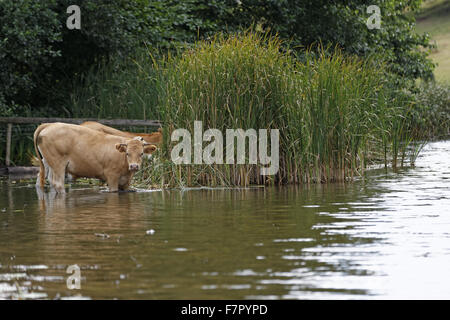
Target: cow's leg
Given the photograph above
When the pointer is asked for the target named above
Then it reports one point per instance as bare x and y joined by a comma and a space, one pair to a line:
48, 171
58, 182
48, 174
38, 181
124, 183
124, 187
57, 177
113, 183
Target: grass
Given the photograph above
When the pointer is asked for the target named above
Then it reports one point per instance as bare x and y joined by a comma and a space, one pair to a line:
335, 113
435, 20
122, 88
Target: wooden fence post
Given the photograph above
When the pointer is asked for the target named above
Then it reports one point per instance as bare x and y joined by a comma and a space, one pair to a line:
8, 144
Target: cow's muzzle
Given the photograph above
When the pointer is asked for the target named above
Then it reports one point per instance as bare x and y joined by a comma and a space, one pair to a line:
133, 167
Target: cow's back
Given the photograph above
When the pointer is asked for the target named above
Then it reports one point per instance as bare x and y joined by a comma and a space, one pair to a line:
154, 137
105, 129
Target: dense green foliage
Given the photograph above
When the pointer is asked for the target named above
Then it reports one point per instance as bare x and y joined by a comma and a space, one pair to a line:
433, 101
344, 23
29, 32
40, 57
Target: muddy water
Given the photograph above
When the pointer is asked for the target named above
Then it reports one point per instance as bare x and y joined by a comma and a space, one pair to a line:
387, 236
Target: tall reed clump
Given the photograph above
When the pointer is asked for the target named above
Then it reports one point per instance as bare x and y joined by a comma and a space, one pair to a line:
332, 111
335, 116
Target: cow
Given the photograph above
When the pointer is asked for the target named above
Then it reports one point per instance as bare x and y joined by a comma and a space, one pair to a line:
153, 138
84, 152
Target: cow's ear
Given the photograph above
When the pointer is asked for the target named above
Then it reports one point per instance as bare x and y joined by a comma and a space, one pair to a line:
121, 147
150, 148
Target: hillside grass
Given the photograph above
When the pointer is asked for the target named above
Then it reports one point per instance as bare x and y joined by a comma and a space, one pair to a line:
434, 19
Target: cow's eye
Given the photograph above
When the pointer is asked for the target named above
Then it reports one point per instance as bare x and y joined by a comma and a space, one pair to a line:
142, 154
127, 154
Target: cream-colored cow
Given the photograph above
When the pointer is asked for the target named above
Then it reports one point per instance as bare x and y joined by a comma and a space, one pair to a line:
84, 152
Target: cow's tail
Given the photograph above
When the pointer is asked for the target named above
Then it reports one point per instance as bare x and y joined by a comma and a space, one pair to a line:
34, 161
41, 176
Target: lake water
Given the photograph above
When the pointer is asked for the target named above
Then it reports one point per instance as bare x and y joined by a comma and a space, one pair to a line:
382, 237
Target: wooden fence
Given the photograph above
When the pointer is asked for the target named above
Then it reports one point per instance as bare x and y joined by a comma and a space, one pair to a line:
9, 121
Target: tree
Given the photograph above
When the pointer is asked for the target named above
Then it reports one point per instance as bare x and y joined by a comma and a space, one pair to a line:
40, 57
29, 32
344, 23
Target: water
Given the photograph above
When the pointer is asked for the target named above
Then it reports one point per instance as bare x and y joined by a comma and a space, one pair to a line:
387, 236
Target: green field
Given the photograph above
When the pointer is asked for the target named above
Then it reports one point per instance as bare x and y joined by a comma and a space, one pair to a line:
435, 20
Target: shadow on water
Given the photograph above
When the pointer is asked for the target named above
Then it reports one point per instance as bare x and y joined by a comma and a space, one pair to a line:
382, 237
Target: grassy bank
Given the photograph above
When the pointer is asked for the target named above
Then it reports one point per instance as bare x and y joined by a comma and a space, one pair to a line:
435, 20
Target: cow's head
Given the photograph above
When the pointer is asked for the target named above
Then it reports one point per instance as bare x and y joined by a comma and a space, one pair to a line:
134, 150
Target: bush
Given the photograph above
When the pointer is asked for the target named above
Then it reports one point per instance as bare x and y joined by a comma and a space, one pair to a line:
29, 32
433, 99
344, 23
40, 57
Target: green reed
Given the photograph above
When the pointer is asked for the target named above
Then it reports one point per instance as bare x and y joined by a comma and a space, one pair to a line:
335, 113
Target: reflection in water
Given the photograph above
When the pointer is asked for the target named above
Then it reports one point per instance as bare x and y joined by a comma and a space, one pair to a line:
385, 237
